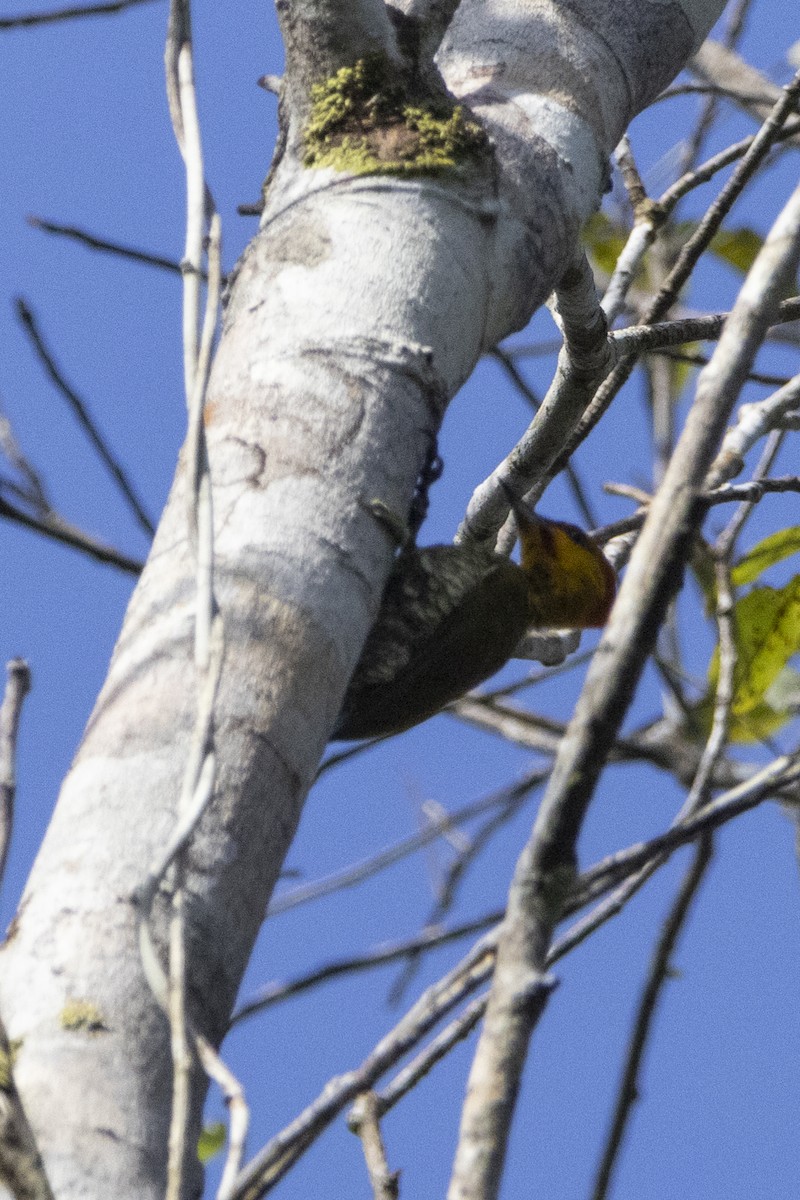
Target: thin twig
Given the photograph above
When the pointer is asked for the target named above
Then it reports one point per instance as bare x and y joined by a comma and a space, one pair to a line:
584, 360
454, 876
18, 682
428, 939
652, 215
81, 412
782, 772
718, 162
663, 334
59, 530
714, 89
33, 490
453, 1033
96, 243
689, 255
272, 1162
68, 14
752, 422
717, 64
701, 786
200, 771
21, 1169
628, 1091
544, 872
238, 1111
360, 871
701, 360
710, 109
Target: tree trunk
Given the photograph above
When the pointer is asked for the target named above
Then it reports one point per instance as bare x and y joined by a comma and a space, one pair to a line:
357, 311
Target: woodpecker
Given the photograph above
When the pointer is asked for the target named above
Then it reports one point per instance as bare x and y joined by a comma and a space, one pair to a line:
452, 615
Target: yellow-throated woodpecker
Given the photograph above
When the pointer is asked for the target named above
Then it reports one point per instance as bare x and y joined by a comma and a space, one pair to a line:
452, 615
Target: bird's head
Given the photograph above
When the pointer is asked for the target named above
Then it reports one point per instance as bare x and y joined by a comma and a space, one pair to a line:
571, 583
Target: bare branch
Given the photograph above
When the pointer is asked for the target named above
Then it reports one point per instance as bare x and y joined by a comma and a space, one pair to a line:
584, 364
458, 1029
657, 976
707, 170
710, 108
752, 422
81, 412
698, 795
684, 265
33, 490
275, 1159
209, 643
21, 1168
364, 1121
782, 772
18, 684
453, 877
507, 362
639, 338
718, 65
701, 360
272, 1162
584, 360
239, 1113
59, 530
428, 939
358, 872
544, 871
68, 14
96, 243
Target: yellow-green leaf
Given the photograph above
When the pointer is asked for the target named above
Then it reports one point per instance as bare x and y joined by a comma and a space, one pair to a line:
767, 718
211, 1141
737, 247
604, 241
765, 554
760, 723
767, 631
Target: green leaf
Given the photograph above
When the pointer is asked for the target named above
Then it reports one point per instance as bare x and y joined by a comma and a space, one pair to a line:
604, 241
765, 554
767, 630
211, 1141
737, 247
755, 726
779, 706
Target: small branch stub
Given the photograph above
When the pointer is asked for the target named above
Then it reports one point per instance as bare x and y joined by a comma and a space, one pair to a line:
364, 1121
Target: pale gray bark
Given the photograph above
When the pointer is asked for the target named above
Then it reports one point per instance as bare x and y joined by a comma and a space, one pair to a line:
357, 312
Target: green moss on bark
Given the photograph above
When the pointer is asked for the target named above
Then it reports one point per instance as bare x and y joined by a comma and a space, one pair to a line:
365, 121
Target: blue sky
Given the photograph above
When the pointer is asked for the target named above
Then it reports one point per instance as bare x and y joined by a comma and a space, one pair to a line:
86, 141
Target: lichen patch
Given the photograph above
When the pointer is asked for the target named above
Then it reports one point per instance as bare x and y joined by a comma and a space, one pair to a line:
364, 120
